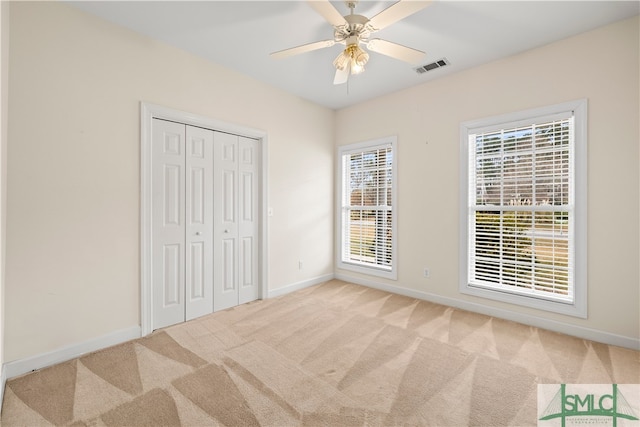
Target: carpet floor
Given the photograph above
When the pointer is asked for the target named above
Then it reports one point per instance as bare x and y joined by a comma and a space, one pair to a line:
335, 354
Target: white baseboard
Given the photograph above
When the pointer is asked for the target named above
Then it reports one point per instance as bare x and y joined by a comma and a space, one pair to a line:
299, 285
527, 319
3, 382
22, 366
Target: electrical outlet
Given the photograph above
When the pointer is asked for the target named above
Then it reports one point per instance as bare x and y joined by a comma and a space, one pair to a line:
426, 272
299, 265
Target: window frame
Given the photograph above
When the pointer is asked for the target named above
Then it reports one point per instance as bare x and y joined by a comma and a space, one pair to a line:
578, 307
369, 269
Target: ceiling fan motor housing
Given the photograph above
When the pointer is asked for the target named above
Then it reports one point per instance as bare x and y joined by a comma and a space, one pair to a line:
356, 25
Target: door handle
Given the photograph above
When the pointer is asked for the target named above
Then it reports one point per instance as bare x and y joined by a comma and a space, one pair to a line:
198, 233
226, 231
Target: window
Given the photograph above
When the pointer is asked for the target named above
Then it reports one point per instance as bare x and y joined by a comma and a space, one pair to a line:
367, 214
523, 199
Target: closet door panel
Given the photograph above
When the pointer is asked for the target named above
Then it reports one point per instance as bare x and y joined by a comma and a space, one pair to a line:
168, 218
199, 223
225, 239
248, 225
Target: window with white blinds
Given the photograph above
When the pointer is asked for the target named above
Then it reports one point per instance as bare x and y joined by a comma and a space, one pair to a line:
521, 210
367, 208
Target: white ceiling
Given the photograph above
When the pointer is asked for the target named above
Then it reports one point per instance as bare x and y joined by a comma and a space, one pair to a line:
241, 34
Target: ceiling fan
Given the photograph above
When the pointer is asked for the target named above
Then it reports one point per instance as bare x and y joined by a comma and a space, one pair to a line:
354, 30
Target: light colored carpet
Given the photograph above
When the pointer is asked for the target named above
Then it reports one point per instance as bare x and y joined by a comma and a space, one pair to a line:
335, 354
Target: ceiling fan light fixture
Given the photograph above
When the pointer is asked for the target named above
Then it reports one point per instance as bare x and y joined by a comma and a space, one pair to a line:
354, 57
360, 57
342, 60
356, 68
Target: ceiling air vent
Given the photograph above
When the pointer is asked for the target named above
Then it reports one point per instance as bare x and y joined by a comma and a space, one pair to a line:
438, 64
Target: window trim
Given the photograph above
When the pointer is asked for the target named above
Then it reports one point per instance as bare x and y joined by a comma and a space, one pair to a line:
361, 268
579, 306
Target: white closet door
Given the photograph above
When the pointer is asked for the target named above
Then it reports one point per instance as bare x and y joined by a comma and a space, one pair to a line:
168, 229
236, 225
205, 221
199, 222
248, 156
225, 214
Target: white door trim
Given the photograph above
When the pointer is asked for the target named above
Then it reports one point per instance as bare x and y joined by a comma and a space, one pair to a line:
147, 113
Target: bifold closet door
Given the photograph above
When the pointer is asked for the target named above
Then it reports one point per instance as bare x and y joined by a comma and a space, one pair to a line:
236, 248
199, 222
182, 229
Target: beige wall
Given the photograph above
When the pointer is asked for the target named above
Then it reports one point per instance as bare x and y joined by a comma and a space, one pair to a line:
600, 65
4, 103
74, 176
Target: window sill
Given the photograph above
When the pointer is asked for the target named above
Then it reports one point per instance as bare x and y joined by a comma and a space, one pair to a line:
369, 270
577, 309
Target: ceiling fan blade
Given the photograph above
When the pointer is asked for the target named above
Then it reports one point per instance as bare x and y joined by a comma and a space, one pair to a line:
303, 48
342, 75
328, 12
395, 50
396, 12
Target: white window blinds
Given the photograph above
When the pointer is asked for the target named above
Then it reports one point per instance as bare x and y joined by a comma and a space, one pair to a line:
367, 213
521, 208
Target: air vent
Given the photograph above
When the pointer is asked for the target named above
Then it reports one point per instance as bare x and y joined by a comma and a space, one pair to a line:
438, 64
